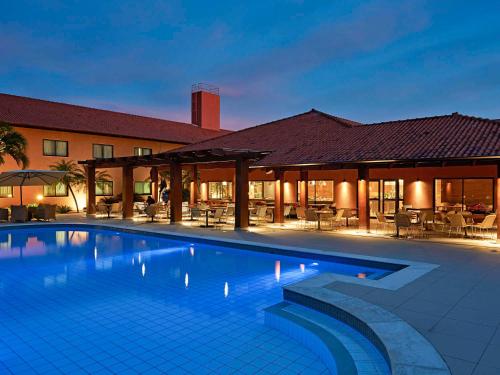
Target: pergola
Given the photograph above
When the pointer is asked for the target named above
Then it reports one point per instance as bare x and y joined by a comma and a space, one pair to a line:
174, 161
243, 159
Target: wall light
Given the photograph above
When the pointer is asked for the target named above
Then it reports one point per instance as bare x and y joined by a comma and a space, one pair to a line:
39, 197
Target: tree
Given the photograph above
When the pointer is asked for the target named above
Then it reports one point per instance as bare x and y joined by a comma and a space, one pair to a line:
12, 144
75, 176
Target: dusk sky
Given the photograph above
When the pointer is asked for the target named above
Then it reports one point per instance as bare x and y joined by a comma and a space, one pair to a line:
368, 61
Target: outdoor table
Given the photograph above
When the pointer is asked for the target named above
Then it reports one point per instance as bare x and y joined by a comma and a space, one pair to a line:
207, 213
320, 214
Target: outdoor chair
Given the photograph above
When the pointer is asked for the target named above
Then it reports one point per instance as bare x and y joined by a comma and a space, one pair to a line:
195, 215
338, 219
457, 225
403, 221
382, 221
18, 214
260, 215
116, 208
301, 216
4, 214
101, 208
286, 211
217, 217
486, 225
229, 213
420, 227
311, 218
45, 212
152, 210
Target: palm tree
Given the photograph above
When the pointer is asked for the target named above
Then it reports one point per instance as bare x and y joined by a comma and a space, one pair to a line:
13, 144
75, 176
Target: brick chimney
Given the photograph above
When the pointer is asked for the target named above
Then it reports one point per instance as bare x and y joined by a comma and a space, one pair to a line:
205, 106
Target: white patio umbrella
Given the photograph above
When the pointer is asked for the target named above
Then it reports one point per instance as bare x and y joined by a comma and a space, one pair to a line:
30, 177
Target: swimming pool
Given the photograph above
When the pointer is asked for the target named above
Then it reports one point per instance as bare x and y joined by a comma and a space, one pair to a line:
79, 300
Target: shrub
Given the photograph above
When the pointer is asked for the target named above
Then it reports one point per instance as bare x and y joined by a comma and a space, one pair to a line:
63, 209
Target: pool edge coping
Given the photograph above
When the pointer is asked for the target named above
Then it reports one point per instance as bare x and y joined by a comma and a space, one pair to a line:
405, 349
409, 272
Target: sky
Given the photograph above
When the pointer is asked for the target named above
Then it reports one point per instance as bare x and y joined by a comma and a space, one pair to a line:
368, 61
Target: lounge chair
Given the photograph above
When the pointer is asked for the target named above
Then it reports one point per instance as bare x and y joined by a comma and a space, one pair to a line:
301, 216
260, 215
286, 211
18, 214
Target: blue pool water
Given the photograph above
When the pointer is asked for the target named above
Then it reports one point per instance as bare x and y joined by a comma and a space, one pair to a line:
77, 300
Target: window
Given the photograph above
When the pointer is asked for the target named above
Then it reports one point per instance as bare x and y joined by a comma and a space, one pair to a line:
261, 190
104, 188
5, 191
102, 151
220, 190
457, 194
319, 191
57, 190
142, 187
392, 196
55, 148
140, 151
374, 195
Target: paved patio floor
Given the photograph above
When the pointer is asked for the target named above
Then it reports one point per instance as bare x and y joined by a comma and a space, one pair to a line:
456, 306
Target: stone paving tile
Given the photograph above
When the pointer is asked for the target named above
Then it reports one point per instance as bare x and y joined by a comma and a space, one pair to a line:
422, 322
484, 369
427, 307
459, 367
465, 330
468, 314
491, 356
456, 347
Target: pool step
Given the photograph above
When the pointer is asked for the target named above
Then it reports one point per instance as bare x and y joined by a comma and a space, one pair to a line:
285, 317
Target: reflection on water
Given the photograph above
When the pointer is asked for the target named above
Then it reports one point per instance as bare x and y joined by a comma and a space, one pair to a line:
93, 282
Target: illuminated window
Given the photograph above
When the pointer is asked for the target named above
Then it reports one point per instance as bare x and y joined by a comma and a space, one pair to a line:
55, 148
57, 190
457, 194
319, 191
261, 190
142, 151
104, 187
220, 190
142, 187
102, 151
5, 191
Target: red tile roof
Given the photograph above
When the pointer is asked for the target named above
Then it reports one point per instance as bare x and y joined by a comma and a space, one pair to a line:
36, 113
318, 138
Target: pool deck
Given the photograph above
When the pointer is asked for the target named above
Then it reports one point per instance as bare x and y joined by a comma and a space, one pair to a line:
455, 306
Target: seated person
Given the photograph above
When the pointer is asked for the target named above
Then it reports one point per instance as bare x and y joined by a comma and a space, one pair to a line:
150, 200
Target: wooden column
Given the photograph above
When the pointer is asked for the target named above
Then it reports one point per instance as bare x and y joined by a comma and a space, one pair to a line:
498, 202
304, 188
127, 192
241, 195
363, 199
90, 190
193, 187
279, 196
154, 182
175, 192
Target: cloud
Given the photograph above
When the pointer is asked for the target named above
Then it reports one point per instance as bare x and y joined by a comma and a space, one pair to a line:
370, 27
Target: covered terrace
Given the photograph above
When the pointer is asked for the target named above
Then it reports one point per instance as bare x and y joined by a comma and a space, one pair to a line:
316, 167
